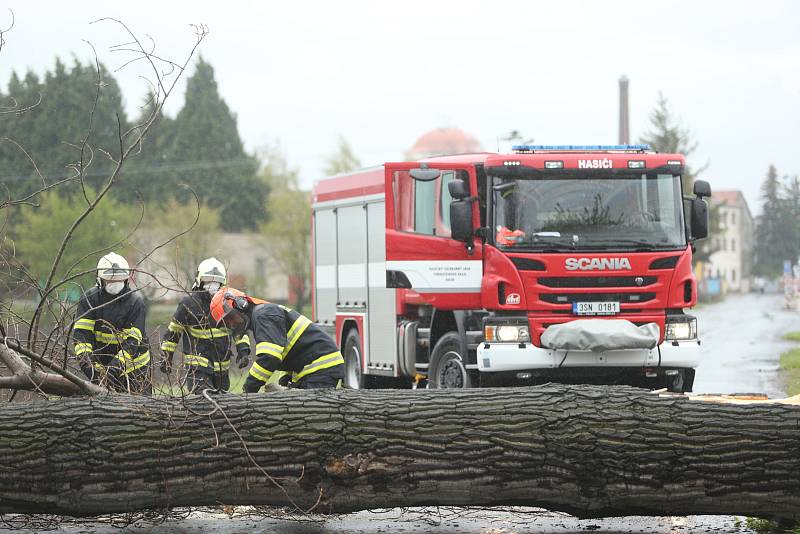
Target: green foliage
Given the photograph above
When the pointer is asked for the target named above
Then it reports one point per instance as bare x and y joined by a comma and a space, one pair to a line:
201, 147
207, 154
790, 365
288, 232
52, 130
146, 174
344, 160
187, 251
792, 336
765, 526
42, 230
778, 226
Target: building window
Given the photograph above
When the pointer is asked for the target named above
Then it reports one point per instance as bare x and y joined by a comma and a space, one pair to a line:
724, 244
733, 275
733, 245
733, 219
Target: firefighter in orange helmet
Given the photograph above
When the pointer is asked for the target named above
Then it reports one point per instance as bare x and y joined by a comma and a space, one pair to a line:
285, 341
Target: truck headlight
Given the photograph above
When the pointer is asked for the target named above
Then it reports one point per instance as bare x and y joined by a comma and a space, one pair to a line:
507, 333
681, 329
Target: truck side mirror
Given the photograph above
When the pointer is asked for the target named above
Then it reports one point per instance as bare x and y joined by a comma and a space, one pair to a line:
699, 218
425, 174
461, 220
702, 189
459, 189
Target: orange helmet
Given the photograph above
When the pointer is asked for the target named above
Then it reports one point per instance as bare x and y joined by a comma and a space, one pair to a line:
228, 299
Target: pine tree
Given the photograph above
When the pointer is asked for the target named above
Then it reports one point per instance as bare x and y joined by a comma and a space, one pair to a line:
669, 136
147, 174
67, 107
772, 245
207, 154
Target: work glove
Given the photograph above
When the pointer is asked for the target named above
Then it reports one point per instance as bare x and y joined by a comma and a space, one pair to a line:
285, 380
242, 360
166, 362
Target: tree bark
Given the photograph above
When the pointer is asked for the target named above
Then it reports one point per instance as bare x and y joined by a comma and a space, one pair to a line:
591, 451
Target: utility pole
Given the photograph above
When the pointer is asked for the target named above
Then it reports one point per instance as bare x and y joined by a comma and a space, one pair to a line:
624, 123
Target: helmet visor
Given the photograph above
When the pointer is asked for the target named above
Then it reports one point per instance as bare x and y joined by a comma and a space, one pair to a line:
113, 273
207, 277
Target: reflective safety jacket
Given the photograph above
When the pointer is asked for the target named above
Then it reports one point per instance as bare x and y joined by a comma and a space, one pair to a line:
288, 341
205, 348
109, 329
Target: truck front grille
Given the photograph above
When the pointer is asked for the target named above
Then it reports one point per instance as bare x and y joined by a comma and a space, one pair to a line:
597, 281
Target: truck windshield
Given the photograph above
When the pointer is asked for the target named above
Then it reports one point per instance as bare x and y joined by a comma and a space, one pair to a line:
576, 211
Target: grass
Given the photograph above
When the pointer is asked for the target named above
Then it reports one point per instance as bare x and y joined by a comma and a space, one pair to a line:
790, 365
764, 526
792, 336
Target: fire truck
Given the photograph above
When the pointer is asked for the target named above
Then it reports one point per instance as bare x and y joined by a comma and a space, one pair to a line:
550, 263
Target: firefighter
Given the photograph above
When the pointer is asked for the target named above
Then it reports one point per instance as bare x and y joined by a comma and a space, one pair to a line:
206, 349
285, 341
109, 330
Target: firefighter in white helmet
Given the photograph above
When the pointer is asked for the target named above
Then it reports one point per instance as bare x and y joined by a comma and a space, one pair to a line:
206, 347
109, 330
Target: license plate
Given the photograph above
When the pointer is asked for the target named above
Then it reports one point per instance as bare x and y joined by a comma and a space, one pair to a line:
595, 308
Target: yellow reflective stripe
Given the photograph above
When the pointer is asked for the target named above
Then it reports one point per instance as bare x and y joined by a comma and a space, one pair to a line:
259, 373
106, 338
221, 367
208, 333
323, 362
137, 363
175, 328
84, 324
99, 366
133, 332
80, 348
169, 346
245, 339
194, 359
263, 348
296, 331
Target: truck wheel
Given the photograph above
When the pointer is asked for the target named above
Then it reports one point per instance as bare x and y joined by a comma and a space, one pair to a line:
682, 382
447, 370
353, 376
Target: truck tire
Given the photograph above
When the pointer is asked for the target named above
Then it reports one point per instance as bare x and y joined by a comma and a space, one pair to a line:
353, 375
447, 369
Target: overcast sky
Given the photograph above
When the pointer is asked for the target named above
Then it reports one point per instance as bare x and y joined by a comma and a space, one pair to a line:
383, 73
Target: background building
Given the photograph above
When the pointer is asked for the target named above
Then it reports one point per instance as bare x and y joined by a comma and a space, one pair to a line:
443, 141
733, 243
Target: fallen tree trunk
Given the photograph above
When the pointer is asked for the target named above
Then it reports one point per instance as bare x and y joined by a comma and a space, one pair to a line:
588, 450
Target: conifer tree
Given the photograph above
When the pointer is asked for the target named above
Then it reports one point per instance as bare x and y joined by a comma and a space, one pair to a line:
207, 154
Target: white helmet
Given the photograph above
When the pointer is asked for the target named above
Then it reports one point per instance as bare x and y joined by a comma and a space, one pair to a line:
211, 270
112, 267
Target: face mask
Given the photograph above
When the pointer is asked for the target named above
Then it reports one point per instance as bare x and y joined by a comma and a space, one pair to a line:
114, 288
212, 287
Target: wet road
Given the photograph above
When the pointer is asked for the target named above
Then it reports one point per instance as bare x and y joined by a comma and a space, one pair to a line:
741, 344
740, 349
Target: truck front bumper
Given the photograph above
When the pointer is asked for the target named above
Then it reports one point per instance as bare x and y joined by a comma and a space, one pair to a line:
498, 357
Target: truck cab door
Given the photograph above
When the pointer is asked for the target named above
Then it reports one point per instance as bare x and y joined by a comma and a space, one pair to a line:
421, 256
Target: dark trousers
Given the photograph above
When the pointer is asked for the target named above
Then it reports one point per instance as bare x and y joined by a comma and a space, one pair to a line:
325, 379
197, 381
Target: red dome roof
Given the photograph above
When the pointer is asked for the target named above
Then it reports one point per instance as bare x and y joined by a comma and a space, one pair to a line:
443, 141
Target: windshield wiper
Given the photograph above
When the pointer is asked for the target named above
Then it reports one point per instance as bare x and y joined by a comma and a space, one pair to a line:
638, 243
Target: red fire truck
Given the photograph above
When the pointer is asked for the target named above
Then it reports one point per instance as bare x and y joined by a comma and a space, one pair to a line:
552, 263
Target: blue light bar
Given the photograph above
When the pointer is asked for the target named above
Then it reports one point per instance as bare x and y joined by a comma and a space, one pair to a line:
580, 148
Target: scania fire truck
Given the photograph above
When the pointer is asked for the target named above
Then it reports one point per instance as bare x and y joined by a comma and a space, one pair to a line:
551, 263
